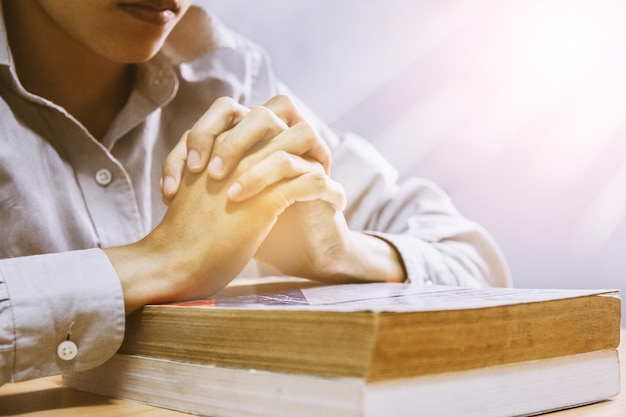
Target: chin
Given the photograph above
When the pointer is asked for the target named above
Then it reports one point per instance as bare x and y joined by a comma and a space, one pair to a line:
137, 55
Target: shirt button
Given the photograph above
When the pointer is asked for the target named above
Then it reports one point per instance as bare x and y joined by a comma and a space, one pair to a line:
67, 350
104, 177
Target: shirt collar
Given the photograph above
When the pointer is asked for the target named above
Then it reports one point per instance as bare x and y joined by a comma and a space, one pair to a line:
156, 85
190, 47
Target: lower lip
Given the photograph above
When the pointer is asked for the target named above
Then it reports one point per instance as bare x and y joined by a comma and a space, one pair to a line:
148, 14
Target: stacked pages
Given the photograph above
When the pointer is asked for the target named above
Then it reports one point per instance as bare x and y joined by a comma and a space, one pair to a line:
293, 348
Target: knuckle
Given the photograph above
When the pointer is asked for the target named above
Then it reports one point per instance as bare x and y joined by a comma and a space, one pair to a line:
231, 143
284, 100
197, 138
262, 112
285, 108
267, 118
222, 138
307, 134
226, 101
279, 201
318, 168
192, 140
284, 160
233, 109
313, 143
224, 108
318, 181
227, 143
306, 129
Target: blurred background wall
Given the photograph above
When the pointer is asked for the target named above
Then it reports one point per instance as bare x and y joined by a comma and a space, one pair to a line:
516, 108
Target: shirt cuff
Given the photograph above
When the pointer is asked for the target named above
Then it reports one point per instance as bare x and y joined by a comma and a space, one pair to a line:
52, 298
471, 263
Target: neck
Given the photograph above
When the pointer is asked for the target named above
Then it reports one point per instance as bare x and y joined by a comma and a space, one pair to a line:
52, 65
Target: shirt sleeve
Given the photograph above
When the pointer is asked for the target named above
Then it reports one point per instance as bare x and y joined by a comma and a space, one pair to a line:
48, 299
436, 243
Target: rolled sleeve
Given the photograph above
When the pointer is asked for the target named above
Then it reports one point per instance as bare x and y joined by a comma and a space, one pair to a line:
47, 299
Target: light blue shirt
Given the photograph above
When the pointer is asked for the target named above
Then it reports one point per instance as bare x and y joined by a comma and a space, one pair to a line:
64, 195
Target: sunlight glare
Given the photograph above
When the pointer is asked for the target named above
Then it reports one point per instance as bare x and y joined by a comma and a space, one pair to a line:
566, 44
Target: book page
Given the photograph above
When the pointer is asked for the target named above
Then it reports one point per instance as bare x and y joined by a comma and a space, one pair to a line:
430, 298
305, 295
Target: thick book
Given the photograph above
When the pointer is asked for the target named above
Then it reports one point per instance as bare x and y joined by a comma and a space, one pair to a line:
515, 389
374, 332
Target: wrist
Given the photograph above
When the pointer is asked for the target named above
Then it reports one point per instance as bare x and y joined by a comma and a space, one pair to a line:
147, 273
133, 271
374, 259
362, 258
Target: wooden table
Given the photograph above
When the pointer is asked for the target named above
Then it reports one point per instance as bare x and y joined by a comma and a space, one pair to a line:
46, 397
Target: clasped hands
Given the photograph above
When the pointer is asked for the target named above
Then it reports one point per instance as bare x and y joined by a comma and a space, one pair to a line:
266, 191
241, 184
275, 170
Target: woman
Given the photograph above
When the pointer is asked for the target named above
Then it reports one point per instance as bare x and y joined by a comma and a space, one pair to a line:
103, 102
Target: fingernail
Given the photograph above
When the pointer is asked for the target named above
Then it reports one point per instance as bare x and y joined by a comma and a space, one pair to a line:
193, 159
234, 191
216, 165
169, 185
